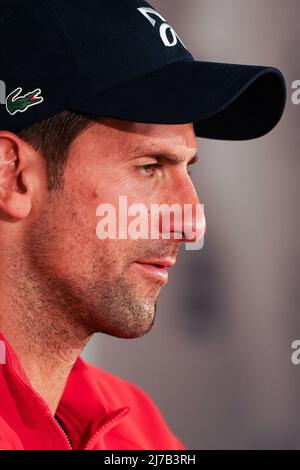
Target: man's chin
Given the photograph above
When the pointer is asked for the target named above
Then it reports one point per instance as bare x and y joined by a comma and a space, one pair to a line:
135, 327
125, 333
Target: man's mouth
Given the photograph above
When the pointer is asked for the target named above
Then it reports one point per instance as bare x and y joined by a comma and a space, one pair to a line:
157, 268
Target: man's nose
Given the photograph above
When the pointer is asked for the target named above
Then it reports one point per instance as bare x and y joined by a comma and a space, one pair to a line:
183, 216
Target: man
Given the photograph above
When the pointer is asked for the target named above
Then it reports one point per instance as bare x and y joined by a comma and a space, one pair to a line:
103, 100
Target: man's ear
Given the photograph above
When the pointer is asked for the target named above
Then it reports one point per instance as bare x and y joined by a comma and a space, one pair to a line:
15, 188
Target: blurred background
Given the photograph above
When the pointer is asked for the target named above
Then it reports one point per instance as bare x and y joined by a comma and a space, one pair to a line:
218, 360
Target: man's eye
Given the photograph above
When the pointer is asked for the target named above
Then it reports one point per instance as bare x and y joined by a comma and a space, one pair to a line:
149, 169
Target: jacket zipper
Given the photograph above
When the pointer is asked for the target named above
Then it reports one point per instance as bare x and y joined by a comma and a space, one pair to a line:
41, 401
117, 416
64, 433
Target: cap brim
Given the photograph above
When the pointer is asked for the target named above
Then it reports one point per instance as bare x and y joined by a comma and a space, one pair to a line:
224, 101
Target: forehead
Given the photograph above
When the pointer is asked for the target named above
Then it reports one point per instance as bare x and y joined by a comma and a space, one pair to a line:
128, 137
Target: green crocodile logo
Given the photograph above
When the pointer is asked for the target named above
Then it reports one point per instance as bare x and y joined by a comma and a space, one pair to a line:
17, 103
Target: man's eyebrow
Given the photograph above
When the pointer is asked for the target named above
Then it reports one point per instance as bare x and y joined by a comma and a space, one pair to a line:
153, 151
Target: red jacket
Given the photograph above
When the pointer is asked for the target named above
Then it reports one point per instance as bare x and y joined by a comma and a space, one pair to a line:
98, 410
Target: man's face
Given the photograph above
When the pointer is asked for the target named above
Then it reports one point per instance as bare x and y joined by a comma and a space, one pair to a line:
111, 285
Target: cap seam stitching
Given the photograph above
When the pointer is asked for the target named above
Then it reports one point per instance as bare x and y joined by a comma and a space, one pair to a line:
223, 88
215, 93
96, 93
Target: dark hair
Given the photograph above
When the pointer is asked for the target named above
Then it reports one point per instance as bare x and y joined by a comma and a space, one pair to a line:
53, 137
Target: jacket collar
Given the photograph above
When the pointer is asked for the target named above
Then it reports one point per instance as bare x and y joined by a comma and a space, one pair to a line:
83, 409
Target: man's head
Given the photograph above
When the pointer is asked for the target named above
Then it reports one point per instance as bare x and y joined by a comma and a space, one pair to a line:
53, 176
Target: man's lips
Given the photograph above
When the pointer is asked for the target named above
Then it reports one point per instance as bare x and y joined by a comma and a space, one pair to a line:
157, 268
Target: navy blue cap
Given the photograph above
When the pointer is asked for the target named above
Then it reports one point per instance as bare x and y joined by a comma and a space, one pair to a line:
122, 59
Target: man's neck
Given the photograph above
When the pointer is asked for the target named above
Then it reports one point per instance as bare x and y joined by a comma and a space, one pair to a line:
45, 343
